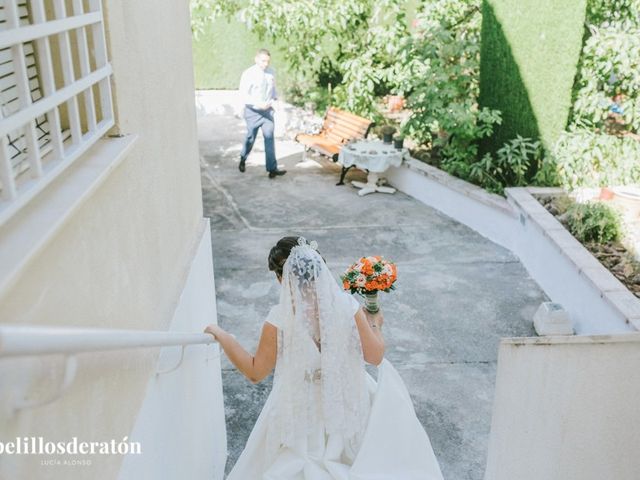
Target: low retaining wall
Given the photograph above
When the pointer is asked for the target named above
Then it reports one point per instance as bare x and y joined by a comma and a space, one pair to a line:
565, 409
596, 301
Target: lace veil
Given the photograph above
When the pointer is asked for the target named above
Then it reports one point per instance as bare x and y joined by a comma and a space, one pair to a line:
317, 319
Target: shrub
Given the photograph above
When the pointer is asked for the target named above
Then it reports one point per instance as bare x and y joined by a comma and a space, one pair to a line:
587, 159
606, 101
608, 84
594, 222
442, 80
304, 93
601, 12
519, 162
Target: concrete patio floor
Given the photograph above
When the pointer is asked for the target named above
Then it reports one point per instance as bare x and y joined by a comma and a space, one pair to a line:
457, 292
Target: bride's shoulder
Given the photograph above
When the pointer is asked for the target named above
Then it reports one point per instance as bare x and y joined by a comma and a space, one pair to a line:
353, 303
274, 317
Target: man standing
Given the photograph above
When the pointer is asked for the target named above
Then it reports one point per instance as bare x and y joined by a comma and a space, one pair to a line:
258, 91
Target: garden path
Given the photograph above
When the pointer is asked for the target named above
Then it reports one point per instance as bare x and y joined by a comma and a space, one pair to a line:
458, 293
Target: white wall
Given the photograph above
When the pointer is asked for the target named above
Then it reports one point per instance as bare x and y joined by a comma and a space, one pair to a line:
181, 424
505, 224
566, 409
120, 260
561, 280
488, 214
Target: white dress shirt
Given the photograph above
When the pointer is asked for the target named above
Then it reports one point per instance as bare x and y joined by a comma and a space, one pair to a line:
258, 86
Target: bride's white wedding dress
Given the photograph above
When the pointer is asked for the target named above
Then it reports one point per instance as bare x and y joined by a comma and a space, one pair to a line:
393, 445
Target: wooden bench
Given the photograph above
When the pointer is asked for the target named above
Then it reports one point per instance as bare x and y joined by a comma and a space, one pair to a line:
337, 129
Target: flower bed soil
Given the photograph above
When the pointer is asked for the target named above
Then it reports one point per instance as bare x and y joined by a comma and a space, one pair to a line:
615, 256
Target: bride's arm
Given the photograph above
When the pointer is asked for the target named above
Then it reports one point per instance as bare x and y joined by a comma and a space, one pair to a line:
370, 336
254, 367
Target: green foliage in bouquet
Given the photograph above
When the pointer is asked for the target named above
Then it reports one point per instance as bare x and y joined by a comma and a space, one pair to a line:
370, 274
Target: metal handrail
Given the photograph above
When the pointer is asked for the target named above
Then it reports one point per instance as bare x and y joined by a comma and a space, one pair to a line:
21, 340
27, 340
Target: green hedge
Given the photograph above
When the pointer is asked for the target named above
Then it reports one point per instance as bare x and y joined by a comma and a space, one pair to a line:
529, 55
224, 51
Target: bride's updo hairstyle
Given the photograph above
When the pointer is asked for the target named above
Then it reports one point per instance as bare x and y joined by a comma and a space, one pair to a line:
280, 252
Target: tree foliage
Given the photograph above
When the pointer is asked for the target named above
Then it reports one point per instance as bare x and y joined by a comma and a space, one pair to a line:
350, 53
205, 12
600, 146
585, 158
442, 79
350, 47
608, 85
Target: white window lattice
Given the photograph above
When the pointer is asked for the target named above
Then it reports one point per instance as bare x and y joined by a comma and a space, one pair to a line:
55, 92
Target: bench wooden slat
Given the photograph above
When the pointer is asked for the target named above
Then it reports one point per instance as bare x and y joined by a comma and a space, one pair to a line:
336, 139
348, 116
346, 123
337, 128
340, 138
334, 119
319, 143
345, 131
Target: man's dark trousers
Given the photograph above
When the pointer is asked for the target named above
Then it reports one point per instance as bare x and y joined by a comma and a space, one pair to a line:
257, 119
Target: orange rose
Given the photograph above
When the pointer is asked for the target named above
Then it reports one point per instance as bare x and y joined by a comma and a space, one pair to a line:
394, 272
367, 268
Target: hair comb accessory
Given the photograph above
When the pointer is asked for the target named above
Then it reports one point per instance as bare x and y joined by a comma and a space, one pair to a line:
302, 242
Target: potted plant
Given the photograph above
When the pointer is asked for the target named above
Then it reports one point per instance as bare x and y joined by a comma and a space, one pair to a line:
395, 103
398, 142
387, 132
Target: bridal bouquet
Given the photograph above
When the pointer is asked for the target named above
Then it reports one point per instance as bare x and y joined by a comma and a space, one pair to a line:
368, 276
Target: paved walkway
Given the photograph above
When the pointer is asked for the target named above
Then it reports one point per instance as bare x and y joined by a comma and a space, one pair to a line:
457, 294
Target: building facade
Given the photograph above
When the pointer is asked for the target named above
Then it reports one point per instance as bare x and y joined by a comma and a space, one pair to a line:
101, 226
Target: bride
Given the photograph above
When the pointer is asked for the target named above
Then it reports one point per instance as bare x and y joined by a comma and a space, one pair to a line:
326, 418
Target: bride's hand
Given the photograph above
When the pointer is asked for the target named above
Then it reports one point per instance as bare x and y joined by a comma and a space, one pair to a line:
374, 318
214, 330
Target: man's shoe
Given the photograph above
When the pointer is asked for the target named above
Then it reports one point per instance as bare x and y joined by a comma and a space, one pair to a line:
241, 166
275, 173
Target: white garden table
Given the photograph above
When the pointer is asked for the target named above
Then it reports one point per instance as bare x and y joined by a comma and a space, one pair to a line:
375, 157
